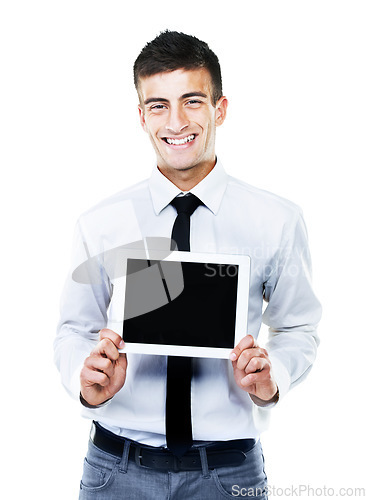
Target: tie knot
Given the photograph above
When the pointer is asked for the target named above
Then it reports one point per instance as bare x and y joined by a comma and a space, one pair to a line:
186, 204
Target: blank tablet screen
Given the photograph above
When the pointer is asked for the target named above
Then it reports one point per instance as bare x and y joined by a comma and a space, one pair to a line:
187, 303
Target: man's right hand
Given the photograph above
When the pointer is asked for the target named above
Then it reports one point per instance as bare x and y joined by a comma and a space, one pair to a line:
104, 371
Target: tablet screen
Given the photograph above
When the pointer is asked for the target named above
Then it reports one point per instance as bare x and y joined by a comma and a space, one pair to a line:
180, 303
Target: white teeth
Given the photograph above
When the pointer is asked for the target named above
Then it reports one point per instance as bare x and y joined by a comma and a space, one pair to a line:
179, 142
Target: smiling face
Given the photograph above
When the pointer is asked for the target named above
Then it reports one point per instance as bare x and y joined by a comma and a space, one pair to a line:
177, 113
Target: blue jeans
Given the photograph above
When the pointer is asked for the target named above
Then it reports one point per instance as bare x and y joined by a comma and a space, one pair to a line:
107, 477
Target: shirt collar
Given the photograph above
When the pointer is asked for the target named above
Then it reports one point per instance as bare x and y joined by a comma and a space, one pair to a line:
210, 190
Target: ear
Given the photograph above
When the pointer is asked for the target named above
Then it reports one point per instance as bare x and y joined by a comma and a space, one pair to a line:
142, 117
220, 113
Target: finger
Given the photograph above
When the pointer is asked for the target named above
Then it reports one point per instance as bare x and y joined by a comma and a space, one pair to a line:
247, 355
106, 333
256, 365
246, 342
101, 364
251, 379
89, 377
106, 348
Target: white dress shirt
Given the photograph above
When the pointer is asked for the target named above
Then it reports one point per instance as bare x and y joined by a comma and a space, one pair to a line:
236, 218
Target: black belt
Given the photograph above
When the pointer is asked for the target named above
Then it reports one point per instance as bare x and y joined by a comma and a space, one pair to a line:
219, 454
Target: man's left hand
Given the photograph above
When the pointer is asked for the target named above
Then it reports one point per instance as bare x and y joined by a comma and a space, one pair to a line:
253, 369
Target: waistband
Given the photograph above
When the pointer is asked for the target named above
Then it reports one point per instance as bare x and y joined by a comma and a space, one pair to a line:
219, 453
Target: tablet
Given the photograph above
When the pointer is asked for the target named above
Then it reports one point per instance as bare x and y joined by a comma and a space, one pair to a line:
183, 303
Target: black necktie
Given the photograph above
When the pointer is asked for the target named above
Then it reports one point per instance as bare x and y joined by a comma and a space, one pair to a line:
178, 390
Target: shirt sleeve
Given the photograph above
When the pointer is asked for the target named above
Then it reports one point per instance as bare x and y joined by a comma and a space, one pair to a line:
83, 312
293, 311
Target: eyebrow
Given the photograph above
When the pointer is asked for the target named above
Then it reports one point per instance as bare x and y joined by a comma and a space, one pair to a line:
184, 96
155, 99
194, 94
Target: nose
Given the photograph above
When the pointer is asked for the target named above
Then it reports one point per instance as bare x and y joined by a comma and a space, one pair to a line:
177, 120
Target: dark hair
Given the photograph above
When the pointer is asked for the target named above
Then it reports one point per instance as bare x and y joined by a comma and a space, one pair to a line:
172, 50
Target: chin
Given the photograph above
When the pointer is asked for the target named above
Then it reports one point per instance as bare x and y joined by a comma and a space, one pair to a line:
182, 165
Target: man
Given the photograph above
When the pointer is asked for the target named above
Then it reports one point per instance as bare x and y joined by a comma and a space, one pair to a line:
136, 448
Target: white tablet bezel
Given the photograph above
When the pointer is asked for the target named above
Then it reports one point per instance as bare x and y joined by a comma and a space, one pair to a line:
243, 262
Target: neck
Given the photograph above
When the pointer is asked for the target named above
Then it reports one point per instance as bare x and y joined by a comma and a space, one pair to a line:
187, 179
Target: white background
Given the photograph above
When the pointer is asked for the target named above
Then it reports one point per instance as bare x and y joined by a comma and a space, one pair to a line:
294, 72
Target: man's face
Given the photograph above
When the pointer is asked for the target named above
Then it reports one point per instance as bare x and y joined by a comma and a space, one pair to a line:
176, 111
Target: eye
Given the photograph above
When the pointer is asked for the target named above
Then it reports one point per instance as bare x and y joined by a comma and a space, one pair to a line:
194, 102
157, 107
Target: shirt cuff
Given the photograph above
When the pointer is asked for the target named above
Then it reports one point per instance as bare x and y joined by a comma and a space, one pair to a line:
281, 376
266, 404
87, 405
